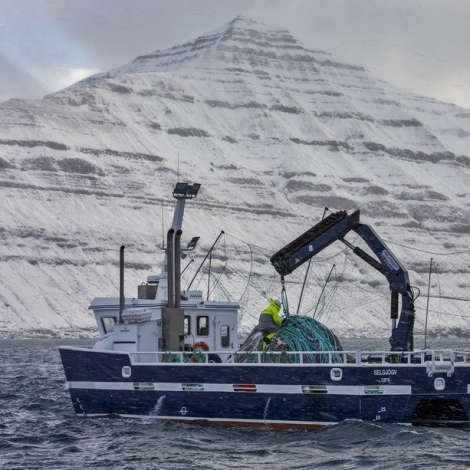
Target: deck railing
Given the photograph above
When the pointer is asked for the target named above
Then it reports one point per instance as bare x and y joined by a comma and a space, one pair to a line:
434, 360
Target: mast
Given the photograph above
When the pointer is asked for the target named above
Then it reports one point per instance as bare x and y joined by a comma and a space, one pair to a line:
181, 192
173, 314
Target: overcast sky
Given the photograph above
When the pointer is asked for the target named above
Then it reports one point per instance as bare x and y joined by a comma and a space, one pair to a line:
419, 45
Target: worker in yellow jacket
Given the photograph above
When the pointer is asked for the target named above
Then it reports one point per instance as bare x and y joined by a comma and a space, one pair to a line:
269, 320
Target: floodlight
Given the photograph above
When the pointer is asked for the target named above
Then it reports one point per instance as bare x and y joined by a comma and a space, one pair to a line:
195, 189
186, 190
180, 189
192, 244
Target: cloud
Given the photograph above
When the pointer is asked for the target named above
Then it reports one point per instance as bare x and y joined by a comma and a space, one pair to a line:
402, 41
59, 78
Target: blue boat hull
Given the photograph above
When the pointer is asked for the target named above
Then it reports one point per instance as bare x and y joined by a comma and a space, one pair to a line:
274, 395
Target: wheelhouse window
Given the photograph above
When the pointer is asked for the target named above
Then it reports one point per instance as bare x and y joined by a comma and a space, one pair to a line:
187, 325
203, 326
225, 336
108, 324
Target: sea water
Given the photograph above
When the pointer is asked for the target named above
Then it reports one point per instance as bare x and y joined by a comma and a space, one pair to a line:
39, 430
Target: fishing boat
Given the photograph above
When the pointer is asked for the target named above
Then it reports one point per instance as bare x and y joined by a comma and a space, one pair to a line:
173, 355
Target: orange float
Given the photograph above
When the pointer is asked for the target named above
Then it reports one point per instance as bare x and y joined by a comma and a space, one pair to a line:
201, 344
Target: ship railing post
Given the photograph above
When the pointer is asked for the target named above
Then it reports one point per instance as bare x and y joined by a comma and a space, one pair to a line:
358, 358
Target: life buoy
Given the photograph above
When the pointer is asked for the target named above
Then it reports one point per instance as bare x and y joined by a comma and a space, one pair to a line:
201, 344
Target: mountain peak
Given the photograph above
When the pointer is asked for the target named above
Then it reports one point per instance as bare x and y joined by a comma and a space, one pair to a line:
249, 28
242, 40
241, 35
242, 22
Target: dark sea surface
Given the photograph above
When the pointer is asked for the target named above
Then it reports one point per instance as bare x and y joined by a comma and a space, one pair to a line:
39, 430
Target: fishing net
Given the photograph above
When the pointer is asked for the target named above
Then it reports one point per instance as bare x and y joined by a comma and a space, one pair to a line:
297, 333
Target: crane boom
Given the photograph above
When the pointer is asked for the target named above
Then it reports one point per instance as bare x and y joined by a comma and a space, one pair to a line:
334, 228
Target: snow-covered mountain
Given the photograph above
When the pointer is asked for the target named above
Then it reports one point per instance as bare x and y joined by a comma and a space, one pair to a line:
274, 132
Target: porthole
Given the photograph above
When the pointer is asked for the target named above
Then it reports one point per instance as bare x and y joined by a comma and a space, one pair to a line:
126, 371
336, 374
439, 383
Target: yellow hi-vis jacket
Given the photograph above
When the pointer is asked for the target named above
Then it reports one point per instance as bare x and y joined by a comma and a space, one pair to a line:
273, 310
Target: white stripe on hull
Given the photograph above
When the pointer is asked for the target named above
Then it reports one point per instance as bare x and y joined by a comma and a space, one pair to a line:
260, 388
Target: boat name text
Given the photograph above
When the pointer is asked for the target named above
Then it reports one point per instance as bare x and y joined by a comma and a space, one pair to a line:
385, 372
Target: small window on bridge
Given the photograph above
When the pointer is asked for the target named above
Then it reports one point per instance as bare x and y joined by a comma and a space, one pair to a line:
203, 326
108, 324
187, 325
225, 336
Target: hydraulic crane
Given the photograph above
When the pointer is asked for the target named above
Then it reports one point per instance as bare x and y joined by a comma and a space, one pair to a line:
335, 227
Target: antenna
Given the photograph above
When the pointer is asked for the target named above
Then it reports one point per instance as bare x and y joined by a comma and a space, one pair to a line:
427, 305
122, 298
178, 168
163, 230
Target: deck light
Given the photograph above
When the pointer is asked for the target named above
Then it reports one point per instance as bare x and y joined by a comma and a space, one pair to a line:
180, 189
195, 189
186, 190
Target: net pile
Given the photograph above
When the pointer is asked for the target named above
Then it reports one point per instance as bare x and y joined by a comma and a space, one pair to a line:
298, 333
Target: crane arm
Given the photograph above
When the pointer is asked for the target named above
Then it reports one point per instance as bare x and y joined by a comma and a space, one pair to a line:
335, 227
